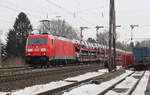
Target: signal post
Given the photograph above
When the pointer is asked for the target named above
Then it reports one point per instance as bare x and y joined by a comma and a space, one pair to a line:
81, 30
132, 27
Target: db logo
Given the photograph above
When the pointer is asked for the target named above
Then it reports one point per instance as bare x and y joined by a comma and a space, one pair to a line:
36, 49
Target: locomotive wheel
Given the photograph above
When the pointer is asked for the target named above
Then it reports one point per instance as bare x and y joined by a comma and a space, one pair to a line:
35, 66
48, 65
53, 63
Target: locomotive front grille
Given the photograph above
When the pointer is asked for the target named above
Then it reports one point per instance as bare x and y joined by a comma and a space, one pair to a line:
36, 59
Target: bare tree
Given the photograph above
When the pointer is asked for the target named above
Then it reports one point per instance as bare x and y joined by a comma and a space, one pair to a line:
145, 43
58, 28
0, 47
103, 38
91, 40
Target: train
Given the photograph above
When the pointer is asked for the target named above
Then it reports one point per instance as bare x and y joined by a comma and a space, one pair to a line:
127, 60
46, 50
141, 57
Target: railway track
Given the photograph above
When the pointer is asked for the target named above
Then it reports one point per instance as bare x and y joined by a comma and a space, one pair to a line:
44, 75
13, 70
127, 91
60, 90
41, 72
21, 70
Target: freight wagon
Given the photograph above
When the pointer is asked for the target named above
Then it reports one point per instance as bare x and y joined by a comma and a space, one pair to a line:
141, 57
127, 60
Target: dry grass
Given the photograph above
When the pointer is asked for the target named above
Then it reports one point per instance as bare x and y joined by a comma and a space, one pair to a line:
14, 62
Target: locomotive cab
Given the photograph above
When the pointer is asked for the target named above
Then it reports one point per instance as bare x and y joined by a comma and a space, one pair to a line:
39, 49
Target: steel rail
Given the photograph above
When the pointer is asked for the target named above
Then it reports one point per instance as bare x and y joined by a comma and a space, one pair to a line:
112, 86
21, 70
66, 87
135, 85
118, 82
40, 73
50, 74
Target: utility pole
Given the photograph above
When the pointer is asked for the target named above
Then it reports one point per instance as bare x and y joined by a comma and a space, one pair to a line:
0, 50
0, 53
114, 40
111, 29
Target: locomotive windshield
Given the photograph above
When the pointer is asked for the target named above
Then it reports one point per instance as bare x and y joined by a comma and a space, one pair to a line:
35, 41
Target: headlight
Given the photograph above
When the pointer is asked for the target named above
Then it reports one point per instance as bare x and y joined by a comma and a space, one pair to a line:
43, 49
29, 54
29, 50
43, 54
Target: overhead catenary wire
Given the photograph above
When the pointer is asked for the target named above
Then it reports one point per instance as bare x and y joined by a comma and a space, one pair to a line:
4, 20
37, 14
58, 6
98, 10
89, 9
26, 9
20, 10
67, 11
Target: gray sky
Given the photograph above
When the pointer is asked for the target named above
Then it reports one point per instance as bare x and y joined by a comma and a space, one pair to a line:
81, 13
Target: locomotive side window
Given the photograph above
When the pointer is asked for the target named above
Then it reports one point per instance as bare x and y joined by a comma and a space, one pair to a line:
39, 41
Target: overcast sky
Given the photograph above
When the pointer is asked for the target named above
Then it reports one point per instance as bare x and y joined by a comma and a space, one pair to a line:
81, 13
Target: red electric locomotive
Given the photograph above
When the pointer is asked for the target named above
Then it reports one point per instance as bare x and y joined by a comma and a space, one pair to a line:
45, 50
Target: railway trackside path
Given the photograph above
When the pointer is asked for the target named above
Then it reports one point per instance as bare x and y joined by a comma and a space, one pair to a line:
141, 87
95, 89
147, 92
125, 86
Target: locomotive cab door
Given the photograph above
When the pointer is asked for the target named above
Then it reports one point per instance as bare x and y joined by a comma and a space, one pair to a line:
52, 49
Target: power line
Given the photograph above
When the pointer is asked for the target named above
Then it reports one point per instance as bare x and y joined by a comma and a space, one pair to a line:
13, 9
77, 2
4, 20
65, 10
37, 16
18, 10
89, 9
58, 6
31, 13
37, 11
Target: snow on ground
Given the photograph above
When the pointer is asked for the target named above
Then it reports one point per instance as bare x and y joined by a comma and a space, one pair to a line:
37, 89
138, 73
87, 75
141, 88
118, 67
52, 85
128, 84
93, 89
